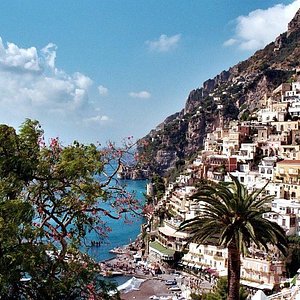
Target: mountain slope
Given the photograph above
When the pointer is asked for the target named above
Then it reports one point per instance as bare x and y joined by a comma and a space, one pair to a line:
232, 94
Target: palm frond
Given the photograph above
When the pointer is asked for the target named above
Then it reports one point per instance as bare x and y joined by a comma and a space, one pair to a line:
229, 212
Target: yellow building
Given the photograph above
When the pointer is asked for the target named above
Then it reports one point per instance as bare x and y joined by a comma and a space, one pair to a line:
286, 126
288, 174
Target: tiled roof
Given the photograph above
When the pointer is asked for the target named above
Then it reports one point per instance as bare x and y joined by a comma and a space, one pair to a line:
292, 162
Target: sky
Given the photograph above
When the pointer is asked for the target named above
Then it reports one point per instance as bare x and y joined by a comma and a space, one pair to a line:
103, 70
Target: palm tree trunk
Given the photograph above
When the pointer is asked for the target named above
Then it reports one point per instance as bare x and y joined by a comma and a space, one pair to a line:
234, 272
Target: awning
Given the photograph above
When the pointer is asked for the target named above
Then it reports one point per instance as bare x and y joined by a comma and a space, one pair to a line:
256, 285
265, 286
172, 232
250, 283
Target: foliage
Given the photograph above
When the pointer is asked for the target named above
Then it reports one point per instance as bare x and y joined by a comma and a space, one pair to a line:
234, 217
220, 291
230, 110
158, 186
195, 296
245, 115
51, 197
293, 257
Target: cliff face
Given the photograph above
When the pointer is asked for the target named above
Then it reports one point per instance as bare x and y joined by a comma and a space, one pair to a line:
225, 97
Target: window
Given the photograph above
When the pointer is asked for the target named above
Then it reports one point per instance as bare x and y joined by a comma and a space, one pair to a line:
293, 222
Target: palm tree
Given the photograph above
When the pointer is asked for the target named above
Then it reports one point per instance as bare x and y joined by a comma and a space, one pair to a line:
234, 218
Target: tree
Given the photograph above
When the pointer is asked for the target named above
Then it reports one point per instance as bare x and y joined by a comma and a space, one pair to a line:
293, 257
234, 218
158, 185
51, 197
220, 291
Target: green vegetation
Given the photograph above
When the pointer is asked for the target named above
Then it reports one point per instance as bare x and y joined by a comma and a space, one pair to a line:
234, 217
158, 186
293, 257
220, 292
50, 198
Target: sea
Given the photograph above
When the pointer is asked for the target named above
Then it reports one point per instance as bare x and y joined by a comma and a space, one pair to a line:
122, 233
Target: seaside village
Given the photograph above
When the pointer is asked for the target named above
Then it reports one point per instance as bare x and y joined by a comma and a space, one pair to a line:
264, 150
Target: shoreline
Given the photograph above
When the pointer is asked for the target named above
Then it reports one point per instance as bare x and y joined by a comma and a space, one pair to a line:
148, 288
143, 283
131, 264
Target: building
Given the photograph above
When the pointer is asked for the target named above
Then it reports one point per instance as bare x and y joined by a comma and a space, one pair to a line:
266, 167
287, 173
285, 213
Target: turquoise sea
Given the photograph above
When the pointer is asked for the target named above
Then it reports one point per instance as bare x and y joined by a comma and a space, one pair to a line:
122, 232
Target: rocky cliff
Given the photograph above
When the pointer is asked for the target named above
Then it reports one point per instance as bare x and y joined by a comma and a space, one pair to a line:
227, 96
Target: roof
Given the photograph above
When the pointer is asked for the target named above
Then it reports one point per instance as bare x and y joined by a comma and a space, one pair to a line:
290, 162
256, 285
172, 232
161, 250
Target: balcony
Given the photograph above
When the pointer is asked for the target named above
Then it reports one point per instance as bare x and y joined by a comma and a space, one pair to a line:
293, 172
218, 257
281, 171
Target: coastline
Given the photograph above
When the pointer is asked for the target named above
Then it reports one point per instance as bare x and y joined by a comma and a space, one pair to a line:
144, 282
147, 289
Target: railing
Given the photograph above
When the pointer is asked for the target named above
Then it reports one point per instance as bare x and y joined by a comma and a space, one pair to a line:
288, 294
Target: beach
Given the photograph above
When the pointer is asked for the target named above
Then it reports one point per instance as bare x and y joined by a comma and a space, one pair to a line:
146, 281
148, 288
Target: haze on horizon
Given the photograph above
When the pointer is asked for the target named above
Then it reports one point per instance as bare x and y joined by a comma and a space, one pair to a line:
104, 70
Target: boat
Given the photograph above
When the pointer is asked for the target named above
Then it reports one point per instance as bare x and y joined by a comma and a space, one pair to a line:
112, 273
117, 250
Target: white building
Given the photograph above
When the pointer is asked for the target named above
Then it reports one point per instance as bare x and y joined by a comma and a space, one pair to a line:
286, 213
206, 256
251, 179
266, 167
247, 151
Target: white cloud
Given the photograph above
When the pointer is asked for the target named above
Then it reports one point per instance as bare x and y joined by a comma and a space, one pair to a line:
103, 91
49, 54
164, 43
261, 27
82, 81
31, 86
99, 119
142, 95
17, 58
230, 42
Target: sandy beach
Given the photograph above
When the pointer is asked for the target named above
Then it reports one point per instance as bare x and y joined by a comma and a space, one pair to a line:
148, 288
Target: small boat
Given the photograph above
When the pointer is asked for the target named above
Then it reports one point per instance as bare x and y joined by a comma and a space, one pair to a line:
116, 273
117, 251
112, 273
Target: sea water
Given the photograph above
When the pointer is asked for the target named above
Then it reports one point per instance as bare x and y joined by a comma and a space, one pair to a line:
122, 233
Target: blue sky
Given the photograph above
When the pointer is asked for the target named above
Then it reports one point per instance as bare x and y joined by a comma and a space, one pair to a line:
104, 70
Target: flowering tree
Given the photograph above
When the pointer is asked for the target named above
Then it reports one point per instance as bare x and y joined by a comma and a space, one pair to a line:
51, 197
